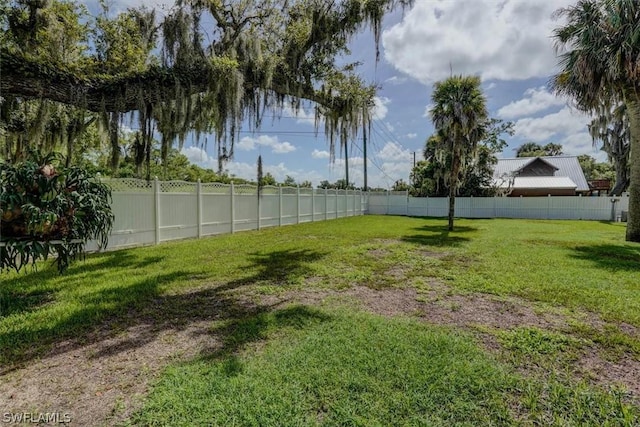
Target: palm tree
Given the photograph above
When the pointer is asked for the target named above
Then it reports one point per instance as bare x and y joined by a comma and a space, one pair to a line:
611, 127
460, 118
600, 47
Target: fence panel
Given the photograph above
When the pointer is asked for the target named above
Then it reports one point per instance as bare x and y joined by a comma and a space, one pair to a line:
319, 204
551, 207
289, 205
270, 207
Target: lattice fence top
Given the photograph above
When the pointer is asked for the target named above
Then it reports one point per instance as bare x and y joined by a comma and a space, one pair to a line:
178, 187
269, 190
129, 185
216, 188
306, 191
245, 189
289, 190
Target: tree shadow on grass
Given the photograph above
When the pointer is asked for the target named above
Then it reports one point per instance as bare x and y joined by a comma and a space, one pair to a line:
31, 289
610, 257
145, 311
276, 267
440, 236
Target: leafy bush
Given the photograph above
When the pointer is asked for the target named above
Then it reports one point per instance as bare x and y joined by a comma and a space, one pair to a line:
49, 209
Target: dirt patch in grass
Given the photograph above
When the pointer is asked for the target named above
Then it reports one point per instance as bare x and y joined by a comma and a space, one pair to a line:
100, 379
378, 253
625, 371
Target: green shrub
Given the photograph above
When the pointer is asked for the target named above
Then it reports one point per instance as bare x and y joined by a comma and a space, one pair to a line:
49, 209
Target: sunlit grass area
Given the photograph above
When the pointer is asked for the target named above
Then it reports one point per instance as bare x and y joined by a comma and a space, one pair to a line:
333, 363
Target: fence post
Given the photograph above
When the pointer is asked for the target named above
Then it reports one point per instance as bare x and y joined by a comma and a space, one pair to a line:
326, 205
258, 193
297, 204
548, 206
280, 206
354, 203
199, 206
388, 200
233, 207
407, 210
313, 205
337, 204
156, 209
495, 206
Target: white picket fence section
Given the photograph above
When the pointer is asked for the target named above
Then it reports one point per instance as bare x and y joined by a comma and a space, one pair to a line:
551, 207
151, 212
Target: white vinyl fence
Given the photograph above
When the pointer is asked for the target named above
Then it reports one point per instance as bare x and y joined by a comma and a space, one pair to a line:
150, 212
551, 207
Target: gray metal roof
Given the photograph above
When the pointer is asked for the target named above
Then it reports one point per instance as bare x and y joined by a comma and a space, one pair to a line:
529, 182
567, 166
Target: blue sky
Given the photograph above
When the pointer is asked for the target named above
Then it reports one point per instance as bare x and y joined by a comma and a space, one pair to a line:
507, 43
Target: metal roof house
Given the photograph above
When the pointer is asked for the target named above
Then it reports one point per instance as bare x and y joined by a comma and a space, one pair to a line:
540, 176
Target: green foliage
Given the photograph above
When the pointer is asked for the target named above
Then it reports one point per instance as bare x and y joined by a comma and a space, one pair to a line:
46, 208
532, 149
400, 185
428, 176
599, 67
340, 184
289, 181
596, 170
611, 128
180, 76
267, 179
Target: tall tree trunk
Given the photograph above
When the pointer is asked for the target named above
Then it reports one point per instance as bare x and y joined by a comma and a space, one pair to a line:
114, 125
622, 180
453, 184
632, 100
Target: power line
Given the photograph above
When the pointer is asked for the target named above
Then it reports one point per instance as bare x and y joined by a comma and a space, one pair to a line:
388, 178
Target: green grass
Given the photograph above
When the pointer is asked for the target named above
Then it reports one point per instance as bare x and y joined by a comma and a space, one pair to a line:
576, 268
339, 368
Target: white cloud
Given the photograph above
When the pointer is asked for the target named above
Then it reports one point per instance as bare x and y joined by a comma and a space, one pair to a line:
412, 135
581, 143
249, 143
195, 155
303, 116
353, 161
279, 172
394, 152
556, 125
396, 80
505, 40
380, 109
318, 154
283, 147
427, 111
534, 101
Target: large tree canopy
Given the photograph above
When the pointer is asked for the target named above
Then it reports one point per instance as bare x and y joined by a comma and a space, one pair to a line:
600, 66
207, 66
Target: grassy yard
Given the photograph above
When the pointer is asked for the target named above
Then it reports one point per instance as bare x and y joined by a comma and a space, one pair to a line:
359, 321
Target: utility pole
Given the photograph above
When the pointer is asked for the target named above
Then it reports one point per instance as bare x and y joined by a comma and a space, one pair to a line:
414, 159
346, 163
364, 150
